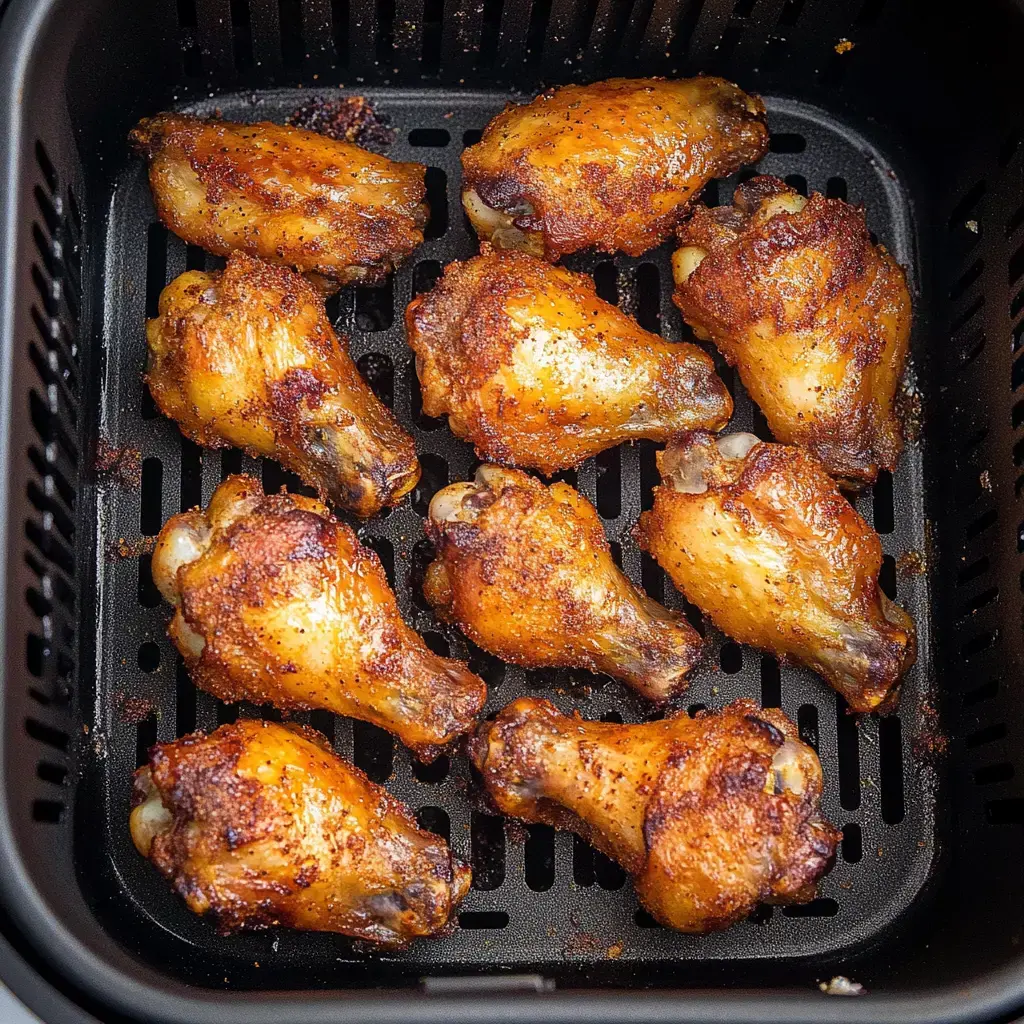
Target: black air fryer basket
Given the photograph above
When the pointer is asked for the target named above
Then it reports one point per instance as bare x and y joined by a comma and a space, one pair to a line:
919, 120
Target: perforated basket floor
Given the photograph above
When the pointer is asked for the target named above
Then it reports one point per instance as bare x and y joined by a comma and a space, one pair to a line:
539, 897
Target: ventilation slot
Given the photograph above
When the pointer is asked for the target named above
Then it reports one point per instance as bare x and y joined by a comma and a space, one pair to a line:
478, 919
437, 198
433, 773
539, 857
379, 372
487, 842
433, 477
852, 845
372, 750
436, 820
375, 307
771, 682
184, 699
849, 756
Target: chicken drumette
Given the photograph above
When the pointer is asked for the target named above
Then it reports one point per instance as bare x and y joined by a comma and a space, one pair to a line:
760, 538
526, 572
612, 165
248, 357
277, 602
710, 815
264, 825
287, 195
537, 371
815, 317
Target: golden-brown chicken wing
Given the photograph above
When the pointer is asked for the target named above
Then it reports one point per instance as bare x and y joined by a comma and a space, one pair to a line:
248, 357
612, 165
759, 537
710, 815
816, 318
537, 371
526, 572
263, 825
287, 195
277, 602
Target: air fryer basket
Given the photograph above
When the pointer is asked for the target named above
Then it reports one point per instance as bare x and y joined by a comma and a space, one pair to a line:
916, 121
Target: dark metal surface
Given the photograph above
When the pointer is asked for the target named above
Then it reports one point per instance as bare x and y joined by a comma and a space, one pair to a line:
539, 898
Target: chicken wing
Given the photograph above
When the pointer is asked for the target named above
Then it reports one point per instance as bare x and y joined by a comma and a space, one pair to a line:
816, 318
525, 571
759, 537
277, 602
710, 815
283, 194
248, 357
612, 165
537, 371
263, 825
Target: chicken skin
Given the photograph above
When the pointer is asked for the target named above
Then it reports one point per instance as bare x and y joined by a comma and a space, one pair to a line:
612, 165
263, 825
815, 317
526, 573
537, 371
248, 357
286, 195
759, 537
710, 815
277, 602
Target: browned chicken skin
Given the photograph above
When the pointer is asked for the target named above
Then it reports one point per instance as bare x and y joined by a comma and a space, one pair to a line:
759, 537
710, 815
816, 318
526, 572
248, 357
264, 825
537, 371
277, 602
283, 194
612, 165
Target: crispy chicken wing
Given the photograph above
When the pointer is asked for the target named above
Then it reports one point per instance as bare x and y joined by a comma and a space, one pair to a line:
710, 815
284, 194
759, 537
816, 318
277, 602
248, 357
526, 572
264, 825
537, 371
612, 165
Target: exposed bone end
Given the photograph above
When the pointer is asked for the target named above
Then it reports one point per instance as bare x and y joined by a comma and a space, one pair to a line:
498, 227
453, 504
689, 468
186, 639
787, 202
184, 539
150, 817
234, 499
736, 446
463, 502
685, 261
792, 769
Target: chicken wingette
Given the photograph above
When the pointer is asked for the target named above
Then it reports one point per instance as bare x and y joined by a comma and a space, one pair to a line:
613, 165
263, 825
760, 538
248, 357
286, 195
710, 815
815, 317
277, 602
537, 371
526, 573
